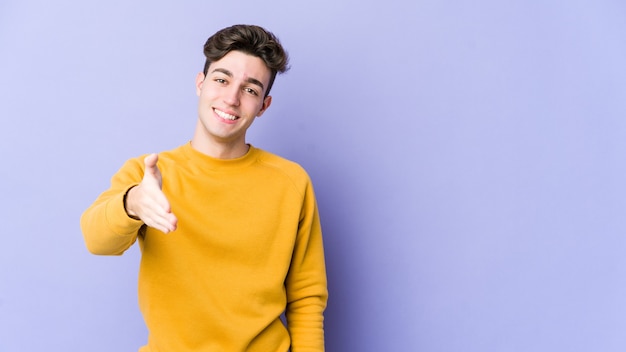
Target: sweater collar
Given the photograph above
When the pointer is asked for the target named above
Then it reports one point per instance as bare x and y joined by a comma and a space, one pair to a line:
195, 156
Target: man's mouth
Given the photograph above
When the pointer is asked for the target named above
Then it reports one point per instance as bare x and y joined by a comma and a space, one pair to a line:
224, 115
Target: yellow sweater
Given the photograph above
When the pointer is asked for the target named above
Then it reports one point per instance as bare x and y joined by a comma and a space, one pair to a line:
248, 246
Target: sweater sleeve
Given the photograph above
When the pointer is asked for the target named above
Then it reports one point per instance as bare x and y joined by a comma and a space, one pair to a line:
107, 228
306, 285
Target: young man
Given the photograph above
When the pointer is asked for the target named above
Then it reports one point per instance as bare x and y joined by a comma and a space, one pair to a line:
230, 234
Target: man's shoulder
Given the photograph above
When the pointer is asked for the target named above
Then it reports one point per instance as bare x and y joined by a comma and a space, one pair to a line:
174, 153
281, 164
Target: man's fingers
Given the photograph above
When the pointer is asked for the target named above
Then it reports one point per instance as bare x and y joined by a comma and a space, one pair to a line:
164, 223
156, 210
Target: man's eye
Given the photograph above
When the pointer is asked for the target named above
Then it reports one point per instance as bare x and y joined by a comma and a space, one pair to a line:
251, 91
220, 80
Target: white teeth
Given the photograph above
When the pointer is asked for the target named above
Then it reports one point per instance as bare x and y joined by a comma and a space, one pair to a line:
225, 115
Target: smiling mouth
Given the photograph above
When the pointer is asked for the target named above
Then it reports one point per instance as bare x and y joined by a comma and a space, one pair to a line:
225, 116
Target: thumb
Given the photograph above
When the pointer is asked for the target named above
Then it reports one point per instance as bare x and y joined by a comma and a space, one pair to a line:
152, 171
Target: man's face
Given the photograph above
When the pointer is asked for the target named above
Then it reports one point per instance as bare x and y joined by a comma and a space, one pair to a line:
231, 96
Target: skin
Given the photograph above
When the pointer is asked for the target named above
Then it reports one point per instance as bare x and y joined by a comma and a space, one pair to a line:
234, 85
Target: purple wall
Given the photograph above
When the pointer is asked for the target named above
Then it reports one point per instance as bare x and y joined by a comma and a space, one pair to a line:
468, 159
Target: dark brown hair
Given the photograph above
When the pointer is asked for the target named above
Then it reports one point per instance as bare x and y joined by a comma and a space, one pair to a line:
249, 39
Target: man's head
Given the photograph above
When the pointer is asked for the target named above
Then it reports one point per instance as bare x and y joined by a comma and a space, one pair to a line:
252, 40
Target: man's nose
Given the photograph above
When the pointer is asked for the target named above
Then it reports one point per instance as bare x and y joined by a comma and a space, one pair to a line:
232, 96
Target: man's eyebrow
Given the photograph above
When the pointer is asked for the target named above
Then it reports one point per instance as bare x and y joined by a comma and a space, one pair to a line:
224, 71
230, 74
255, 81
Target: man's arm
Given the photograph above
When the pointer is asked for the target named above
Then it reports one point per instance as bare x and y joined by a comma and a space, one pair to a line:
307, 292
111, 224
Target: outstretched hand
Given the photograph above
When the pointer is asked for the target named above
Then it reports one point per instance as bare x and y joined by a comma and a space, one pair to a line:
147, 201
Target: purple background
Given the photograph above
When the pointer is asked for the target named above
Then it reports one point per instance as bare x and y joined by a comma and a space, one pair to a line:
468, 158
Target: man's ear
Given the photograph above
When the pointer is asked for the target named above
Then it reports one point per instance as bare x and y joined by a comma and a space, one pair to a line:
199, 81
266, 104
